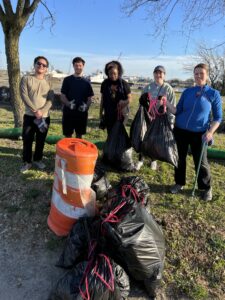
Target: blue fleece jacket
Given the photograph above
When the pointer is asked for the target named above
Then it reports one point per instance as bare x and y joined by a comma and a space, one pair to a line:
195, 106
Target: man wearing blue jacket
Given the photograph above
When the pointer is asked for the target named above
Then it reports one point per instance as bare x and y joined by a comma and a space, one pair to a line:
193, 126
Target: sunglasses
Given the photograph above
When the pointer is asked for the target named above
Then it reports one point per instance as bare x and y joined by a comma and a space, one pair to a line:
41, 64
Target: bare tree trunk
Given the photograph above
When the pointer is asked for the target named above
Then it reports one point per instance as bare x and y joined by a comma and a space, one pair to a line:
12, 55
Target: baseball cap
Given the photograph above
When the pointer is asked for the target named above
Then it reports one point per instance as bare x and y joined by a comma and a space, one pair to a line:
159, 68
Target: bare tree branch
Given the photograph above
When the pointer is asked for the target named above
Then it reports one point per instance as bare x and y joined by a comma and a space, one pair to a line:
2, 14
195, 14
20, 7
31, 8
8, 8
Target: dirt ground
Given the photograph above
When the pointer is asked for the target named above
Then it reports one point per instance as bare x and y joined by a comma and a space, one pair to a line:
28, 249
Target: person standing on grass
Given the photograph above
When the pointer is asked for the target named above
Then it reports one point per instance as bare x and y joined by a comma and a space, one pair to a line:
115, 96
76, 95
193, 127
157, 89
37, 97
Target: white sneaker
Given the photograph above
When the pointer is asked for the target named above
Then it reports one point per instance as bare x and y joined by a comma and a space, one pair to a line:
154, 165
176, 188
39, 164
25, 167
138, 165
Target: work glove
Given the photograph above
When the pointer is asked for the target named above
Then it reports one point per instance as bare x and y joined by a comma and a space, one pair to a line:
83, 107
72, 104
41, 124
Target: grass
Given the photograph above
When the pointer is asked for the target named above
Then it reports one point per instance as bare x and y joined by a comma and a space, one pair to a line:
194, 230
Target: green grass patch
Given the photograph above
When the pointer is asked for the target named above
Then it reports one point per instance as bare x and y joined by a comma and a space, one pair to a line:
194, 230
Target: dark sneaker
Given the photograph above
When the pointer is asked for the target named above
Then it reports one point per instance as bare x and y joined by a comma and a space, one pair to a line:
207, 195
25, 167
176, 188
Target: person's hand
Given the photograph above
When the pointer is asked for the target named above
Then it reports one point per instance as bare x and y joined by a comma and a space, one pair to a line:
207, 137
83, 107
38, 114
161, 101
122, 104
72, 104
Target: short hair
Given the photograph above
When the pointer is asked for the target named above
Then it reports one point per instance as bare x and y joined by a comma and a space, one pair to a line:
114, 64
41, 57
78, 60
202, 66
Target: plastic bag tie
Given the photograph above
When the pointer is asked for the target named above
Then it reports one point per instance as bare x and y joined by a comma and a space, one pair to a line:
133, 191
110, 284
153, 106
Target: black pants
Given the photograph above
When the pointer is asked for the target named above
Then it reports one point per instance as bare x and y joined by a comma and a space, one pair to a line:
184, 139
74, 121
29, 131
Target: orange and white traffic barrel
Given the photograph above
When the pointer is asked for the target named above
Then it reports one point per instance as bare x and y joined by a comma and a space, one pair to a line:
72, 196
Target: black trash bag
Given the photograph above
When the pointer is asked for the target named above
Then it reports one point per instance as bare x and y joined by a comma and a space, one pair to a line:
132, 186
159, 142
101, 279
67, 287
138, 128
115, 148
100, 183
135, 241
77, 242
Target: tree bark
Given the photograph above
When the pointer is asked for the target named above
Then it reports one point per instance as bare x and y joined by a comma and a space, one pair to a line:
13, 63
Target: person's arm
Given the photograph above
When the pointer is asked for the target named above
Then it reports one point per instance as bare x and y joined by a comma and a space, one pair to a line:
24, 94
64, 90
127, 93
101, 108
217, 117
64, 100
49, 101
90, 95
89, 101
171, 108
124, 103
171, 97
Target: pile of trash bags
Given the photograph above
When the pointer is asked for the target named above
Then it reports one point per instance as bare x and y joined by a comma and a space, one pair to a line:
151, 132
102, 251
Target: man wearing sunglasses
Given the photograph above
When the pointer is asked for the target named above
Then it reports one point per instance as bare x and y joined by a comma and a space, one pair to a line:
37, 97
76, 95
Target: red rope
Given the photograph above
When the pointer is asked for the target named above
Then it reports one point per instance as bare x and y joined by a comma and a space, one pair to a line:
131, 189
110, 284
152, 109
112, 217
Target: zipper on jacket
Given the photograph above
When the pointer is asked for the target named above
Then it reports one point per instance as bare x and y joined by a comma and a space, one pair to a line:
191, 114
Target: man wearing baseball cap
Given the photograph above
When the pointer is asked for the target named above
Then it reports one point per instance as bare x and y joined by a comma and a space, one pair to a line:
159, 88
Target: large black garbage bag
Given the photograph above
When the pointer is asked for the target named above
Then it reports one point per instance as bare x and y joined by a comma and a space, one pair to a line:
99, 279
116, 148
100, 183
131, 187
67, 287
136, 241
77, 243
159, 142
138, 128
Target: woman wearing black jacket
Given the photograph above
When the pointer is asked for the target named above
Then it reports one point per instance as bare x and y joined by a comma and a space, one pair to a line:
115, 96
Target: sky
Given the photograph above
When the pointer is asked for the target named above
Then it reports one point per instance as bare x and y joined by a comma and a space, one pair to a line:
99, 31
